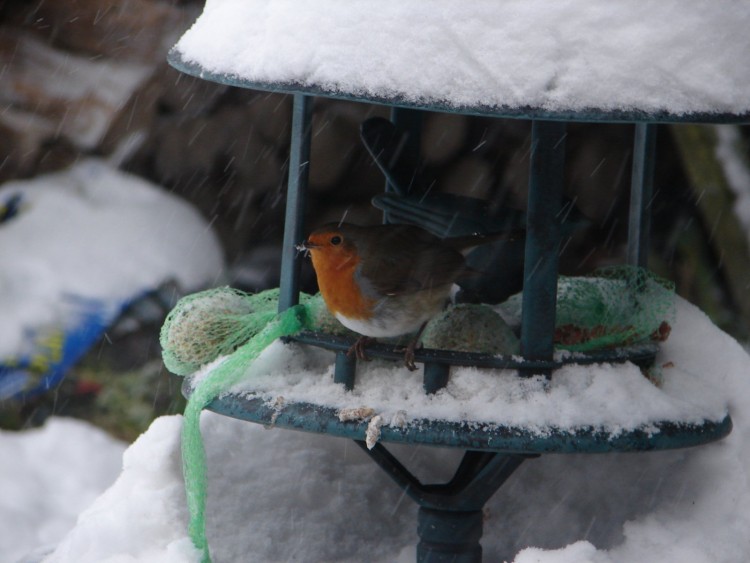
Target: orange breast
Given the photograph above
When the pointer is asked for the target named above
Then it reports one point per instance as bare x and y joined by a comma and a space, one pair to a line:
335, 273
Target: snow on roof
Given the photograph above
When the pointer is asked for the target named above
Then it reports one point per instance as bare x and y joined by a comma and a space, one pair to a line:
672, 56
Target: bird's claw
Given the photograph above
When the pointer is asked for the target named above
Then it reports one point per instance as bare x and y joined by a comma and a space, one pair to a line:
358, 348
409, 356
409, 360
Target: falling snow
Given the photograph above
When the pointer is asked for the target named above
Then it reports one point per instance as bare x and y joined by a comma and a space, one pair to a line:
279, 495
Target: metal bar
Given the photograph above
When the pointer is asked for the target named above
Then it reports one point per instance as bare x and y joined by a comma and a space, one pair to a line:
641, 192
546, 181
394, 469
299, 166
449, 537
641, 354
435, 376
471, 464
345, 369
487, 480
451, 533
471, 487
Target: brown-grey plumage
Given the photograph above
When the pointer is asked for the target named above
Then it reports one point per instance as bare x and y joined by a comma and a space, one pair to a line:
386, 280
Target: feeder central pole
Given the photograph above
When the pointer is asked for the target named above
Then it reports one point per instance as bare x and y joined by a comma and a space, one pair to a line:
543, 233
641, 192
450, 519
299, 167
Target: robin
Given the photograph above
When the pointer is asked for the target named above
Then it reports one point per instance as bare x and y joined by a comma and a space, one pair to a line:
387, 280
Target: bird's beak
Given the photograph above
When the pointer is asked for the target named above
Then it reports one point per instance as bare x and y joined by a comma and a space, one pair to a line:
305, 246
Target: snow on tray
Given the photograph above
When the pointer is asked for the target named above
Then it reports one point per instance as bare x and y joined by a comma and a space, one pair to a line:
679, 56
613, 398
95, 233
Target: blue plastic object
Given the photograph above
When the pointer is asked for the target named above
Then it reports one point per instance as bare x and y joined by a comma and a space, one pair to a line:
56, 350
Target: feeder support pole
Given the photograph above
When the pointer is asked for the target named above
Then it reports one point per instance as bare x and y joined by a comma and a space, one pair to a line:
299, 167
543, 234
641, 192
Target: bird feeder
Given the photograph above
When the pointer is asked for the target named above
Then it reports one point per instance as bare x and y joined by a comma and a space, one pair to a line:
316, 49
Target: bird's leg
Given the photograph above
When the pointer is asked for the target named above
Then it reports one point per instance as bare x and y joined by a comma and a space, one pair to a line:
411, 347
358, 347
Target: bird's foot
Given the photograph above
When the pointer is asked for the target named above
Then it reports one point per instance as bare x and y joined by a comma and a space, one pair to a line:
409, 355
358, 348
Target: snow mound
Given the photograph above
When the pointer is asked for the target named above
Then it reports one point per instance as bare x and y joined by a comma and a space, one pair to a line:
47, 477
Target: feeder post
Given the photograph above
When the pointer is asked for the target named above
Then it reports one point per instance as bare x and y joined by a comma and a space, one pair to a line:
450, 518
641, 192
345, 369
436, 376
299, 168
543, 234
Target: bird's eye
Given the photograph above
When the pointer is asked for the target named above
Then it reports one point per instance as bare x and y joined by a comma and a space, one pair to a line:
336, 240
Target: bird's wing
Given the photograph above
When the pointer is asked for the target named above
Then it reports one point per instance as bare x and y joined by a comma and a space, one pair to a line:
410, 260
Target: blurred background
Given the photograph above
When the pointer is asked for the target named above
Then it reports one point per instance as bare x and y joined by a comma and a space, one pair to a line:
85, 79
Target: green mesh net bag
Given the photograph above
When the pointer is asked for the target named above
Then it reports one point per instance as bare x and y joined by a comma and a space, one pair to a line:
613, 307
616, 306
216, 322
212, 323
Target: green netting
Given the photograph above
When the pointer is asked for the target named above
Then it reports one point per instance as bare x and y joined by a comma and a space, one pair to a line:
616, 306
213, 323
202, 328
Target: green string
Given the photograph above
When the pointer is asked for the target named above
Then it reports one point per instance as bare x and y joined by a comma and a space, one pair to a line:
227, 374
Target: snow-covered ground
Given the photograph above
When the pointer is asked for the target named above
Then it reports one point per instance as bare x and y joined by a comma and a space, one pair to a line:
86, 237
281, 495
49, 475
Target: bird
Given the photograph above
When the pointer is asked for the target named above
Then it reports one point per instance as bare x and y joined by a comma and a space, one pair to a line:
387, 280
